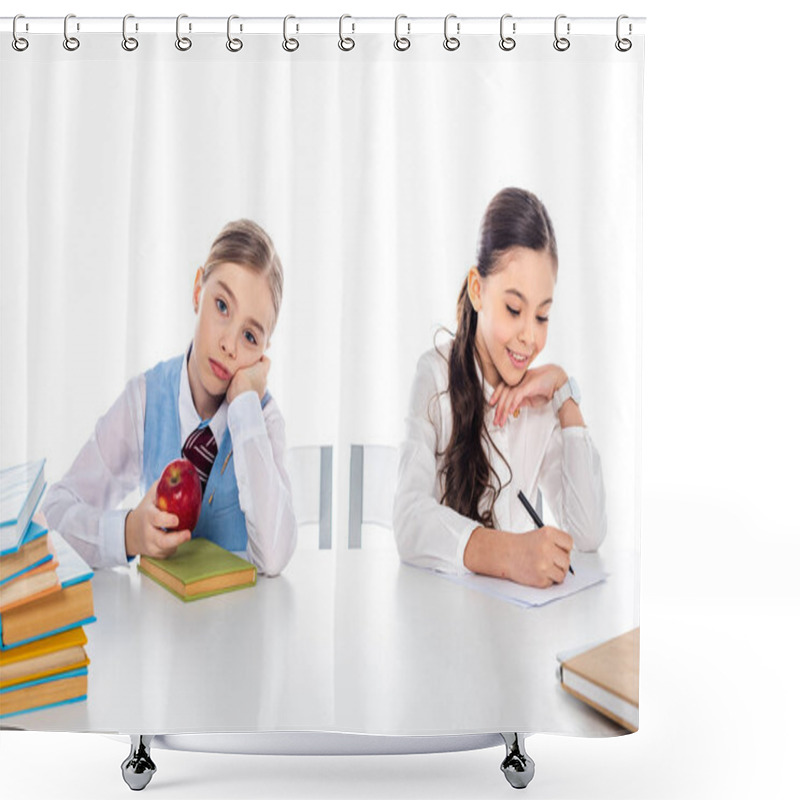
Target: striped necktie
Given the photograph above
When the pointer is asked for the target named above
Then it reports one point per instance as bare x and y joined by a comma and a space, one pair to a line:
200, 448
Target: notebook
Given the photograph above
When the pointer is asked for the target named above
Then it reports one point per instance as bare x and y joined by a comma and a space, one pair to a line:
606, 677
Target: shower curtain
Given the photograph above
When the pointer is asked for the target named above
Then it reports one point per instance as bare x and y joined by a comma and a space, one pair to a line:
368, 152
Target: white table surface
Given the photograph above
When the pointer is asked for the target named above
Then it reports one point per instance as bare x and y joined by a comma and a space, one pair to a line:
349, 641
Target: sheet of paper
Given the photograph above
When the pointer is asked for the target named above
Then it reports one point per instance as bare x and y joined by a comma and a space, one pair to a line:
528, 596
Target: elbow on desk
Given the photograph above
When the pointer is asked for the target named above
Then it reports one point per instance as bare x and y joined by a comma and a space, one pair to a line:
592, 536
272, 564
402, 527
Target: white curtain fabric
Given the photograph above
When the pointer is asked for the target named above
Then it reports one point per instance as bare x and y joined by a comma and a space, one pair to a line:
370, 169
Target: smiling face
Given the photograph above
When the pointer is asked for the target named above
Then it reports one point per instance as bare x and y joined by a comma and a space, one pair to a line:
513, 305
234, 318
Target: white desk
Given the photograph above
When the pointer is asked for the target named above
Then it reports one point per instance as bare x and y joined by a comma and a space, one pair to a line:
343, 641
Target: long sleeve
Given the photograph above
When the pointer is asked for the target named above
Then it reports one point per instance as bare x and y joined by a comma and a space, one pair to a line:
259, 445
428, 533
572, 482
82, 505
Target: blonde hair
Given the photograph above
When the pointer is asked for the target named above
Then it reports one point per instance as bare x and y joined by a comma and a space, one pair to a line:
246, 243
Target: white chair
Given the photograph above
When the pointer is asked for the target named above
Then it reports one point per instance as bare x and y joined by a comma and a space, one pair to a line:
311, 474
373, 477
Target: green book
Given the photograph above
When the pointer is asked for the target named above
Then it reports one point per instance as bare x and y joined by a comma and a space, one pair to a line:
199, 568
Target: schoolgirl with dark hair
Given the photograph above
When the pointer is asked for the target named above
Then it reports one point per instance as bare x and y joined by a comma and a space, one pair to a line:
209, 404
484, 424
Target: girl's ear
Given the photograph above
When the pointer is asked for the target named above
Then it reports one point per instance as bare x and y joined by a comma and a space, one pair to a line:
198, 286
474, 288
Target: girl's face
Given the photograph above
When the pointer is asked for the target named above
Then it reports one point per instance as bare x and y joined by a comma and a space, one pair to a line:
234, 317
513, 305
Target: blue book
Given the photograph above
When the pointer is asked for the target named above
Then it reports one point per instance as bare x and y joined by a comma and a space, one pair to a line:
21, 488
68, 608
54, 690
28, 556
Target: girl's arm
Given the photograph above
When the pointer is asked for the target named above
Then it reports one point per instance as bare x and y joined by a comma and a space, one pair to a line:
259, 446
572, 483
427, 533
108, 467
571, 476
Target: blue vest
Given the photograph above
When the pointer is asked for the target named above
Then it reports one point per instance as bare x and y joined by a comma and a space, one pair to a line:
221, 518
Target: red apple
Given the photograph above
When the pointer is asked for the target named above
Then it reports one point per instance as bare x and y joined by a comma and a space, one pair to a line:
179, 492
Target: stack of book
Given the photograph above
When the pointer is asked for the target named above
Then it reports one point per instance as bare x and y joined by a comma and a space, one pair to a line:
45, 599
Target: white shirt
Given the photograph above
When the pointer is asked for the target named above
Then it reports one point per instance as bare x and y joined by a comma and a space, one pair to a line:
562, 462
82, 505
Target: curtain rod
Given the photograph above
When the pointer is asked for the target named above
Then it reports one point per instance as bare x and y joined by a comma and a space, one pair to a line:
461, 26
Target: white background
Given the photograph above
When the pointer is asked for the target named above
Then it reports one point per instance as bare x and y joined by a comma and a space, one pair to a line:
720, 605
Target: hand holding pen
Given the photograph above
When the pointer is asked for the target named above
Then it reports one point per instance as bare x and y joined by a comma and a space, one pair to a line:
535, 517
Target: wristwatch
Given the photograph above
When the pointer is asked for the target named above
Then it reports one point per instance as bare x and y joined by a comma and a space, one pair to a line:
569, 389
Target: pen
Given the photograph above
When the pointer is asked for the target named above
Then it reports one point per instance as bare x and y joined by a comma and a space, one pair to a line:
535, 517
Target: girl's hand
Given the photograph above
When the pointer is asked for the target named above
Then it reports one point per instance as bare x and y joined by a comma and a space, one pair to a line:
144, 526
536, 388
252, 378
541, 557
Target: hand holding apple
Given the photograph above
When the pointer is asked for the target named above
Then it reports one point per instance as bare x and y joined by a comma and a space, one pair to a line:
179, 492
152, 532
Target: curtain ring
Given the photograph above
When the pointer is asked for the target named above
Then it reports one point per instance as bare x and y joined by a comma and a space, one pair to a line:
401, 42
623, 45
129, 43
561, 43
506, 42
451, 42
183, 43
18, 42
289, 45
233, 45
70, 42
345, 42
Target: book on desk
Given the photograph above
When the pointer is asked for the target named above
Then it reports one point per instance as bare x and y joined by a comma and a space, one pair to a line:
42, 657
606, 677
33, 552
45, 600
34, 581
199, 568
72, 605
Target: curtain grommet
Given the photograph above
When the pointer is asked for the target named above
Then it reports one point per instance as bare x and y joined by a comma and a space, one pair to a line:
289, 44
183, 43
451, 43
623, 44
507, 43
561, 43
233, 44
401, 43
19, 43
129, 43
71, 43
346, 43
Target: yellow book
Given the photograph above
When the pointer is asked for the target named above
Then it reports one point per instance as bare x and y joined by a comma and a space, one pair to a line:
606, 677
64, 651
